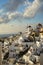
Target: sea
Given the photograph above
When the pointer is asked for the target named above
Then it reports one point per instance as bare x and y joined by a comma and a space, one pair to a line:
6, 35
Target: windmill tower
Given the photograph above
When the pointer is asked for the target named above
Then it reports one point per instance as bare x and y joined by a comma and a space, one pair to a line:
29, 29
0, 54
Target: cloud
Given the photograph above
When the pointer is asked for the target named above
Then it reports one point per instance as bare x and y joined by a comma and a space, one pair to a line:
10, 16
27, 3
4, 19
12, 5
32, 10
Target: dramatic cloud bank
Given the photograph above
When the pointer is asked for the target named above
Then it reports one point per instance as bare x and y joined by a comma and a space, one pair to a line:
31, 9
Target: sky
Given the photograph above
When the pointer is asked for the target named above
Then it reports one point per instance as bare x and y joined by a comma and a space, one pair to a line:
16, 14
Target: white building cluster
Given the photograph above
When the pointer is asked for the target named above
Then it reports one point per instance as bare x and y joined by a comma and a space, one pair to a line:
25, 48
